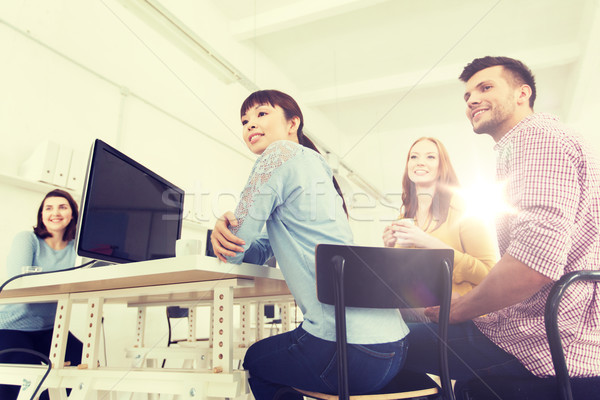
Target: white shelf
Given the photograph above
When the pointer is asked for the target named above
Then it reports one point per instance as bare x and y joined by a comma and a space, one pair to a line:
36, 186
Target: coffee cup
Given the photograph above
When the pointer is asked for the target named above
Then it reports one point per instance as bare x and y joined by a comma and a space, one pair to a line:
188, 247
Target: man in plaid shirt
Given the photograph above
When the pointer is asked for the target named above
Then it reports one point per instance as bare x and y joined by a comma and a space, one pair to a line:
552, 184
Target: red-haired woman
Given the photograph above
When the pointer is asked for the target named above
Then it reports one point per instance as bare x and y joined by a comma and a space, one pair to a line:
433, 216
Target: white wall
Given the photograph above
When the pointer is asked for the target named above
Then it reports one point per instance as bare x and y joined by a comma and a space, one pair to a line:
73, 73
54, 87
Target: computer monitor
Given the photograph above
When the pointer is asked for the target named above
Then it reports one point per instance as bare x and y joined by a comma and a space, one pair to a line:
128, 212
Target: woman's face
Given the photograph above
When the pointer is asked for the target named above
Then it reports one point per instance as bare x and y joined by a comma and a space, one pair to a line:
56, 214
423, 163
265, 124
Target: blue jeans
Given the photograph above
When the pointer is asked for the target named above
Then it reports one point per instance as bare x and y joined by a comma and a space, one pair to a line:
470, 354
303, 361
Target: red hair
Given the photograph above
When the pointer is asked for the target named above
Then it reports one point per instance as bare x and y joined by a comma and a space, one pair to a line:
446, 182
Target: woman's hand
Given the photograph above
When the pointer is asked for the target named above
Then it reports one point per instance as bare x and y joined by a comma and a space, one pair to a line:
390, 233
224, 242
389, 240
409, 235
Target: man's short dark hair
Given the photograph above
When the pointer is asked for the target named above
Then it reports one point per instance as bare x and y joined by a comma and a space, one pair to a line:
520, 73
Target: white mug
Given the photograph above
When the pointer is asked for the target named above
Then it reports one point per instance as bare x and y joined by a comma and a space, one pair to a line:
29, 269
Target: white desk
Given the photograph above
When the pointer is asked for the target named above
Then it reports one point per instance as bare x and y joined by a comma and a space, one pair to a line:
188, 279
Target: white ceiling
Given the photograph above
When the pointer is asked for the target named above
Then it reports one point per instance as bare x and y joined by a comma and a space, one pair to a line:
385, 72
370, 75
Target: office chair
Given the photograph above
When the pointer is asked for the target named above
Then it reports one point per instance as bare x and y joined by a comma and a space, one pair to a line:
175, 312
560, 387
376, 277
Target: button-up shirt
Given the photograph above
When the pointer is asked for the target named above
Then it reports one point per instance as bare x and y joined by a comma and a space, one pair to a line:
552, 183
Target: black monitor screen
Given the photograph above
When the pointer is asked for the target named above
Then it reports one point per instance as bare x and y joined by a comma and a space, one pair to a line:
128, 213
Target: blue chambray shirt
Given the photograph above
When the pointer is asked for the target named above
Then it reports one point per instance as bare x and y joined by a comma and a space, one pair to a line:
29, 250
290, 190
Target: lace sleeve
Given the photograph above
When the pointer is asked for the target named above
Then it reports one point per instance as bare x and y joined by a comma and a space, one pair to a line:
272, 158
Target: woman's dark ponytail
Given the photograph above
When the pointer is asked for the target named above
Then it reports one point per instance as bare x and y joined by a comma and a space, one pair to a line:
306, 142
291, 109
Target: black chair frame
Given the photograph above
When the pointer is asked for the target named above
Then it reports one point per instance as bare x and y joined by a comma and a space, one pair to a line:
355, 276
559, 387
553, 331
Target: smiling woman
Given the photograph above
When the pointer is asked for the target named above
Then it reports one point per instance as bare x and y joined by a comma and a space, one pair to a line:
292, 193
50, 247
264, 124
430, 198
57, 215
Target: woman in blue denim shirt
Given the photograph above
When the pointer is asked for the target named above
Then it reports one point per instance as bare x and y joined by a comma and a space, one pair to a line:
49, 246
291, 190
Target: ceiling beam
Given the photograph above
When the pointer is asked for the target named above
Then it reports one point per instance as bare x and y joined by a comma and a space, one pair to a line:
587, 64
295, 14
441, 75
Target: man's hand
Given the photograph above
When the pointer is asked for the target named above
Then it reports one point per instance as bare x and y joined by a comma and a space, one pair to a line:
433, 313
509, 282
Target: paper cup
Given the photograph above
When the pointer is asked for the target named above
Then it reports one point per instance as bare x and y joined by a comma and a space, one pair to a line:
188, 247
409, 221
30, 269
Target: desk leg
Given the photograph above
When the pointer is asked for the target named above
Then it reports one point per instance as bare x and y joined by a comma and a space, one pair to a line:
285, 317
212, 326
29, 386
58, 346
191, 337
83, 391
140, 327
56, 394
244, 324
140, 333
60, 333
260, 321
91, 342
223, 329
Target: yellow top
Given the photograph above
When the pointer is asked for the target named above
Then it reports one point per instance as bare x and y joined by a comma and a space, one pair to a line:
474, 247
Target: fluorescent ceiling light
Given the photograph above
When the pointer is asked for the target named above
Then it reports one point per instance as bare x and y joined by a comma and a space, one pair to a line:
170, 27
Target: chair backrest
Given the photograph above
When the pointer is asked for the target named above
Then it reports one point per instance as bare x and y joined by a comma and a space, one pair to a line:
377, 277
174, 312
177, 312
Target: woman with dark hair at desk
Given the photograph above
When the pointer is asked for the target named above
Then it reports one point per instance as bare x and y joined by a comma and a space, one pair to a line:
50, 247
291, 191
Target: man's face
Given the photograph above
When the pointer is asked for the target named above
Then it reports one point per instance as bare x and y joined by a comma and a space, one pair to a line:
491, 99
